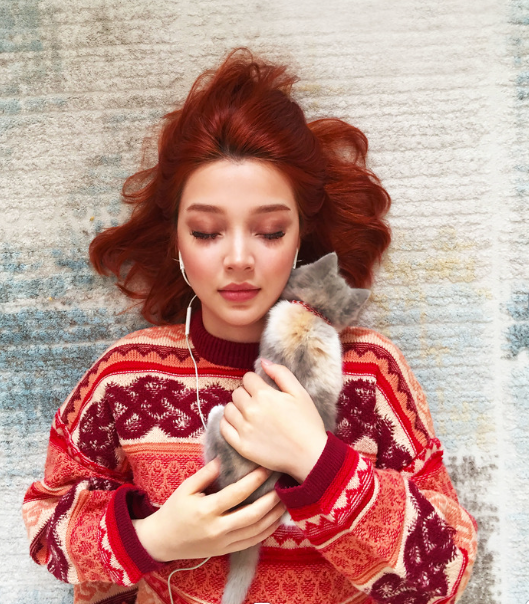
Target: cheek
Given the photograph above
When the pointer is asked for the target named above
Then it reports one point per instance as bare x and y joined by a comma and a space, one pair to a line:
201, 268
279, 266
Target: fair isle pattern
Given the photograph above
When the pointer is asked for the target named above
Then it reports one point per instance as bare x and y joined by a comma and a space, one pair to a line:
353, 489
160, 467
396, 368
384, 533
278, 582
104, 593
132, 423
116, 571
408, 412
411, 415
465, 538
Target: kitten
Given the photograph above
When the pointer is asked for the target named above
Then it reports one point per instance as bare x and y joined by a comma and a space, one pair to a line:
304, 338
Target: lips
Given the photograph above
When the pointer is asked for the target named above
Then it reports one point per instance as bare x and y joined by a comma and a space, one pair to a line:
239, 292
237, 287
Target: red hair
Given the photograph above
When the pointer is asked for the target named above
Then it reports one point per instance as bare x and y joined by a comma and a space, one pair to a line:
244, 110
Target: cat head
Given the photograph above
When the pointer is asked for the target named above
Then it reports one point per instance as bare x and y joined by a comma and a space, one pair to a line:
321, 285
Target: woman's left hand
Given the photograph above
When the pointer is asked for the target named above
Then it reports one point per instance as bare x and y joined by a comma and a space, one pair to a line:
282, 431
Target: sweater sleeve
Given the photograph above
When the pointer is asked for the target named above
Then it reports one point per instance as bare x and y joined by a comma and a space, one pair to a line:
79, 516
397, 533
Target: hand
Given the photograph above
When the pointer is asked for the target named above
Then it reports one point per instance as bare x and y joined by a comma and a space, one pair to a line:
282, 431
191, 524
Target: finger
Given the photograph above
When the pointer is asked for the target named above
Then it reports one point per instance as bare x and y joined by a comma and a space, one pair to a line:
244, 543
237, 492
201, 479
233, 416
256, 528
229, 433
240, 399
251, 382
253, 513
283, 377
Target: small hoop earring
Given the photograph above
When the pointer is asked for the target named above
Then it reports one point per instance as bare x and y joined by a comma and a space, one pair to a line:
182, 268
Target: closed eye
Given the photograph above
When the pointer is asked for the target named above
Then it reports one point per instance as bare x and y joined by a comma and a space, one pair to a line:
211, 236
199, 235
276, 235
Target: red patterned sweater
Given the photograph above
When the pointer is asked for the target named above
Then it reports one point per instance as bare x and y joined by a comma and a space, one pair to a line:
376, 521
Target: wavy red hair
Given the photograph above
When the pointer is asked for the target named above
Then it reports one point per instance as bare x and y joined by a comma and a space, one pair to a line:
244, 109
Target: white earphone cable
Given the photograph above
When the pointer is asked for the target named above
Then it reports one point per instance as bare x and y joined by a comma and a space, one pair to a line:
187, 330
188, 327
176, 570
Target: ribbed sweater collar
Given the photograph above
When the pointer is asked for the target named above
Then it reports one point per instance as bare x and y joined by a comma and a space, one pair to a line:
240, 355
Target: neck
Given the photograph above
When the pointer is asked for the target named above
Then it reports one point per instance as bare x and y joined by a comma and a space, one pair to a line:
221, 351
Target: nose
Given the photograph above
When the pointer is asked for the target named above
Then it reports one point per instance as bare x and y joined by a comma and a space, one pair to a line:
239, 254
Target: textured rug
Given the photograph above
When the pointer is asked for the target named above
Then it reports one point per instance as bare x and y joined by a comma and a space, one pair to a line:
442, 91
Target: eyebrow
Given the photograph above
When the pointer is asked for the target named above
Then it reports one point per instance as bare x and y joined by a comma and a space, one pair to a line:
203, 207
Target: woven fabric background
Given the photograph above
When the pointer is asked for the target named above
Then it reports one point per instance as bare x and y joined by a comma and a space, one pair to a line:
441, 89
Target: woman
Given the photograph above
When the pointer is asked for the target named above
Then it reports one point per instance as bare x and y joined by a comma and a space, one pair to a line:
243, 184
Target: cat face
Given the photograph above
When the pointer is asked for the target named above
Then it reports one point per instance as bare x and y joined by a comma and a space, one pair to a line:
237, 223
321, 285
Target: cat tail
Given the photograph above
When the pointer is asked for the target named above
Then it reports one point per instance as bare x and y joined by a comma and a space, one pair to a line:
240, 577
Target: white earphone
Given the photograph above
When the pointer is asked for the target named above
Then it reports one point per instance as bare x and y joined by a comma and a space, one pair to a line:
182, 268
295, 259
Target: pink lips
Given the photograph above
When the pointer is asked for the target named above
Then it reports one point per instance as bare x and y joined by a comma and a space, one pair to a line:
239, 292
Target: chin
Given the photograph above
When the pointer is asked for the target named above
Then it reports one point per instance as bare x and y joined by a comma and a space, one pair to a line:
245, 316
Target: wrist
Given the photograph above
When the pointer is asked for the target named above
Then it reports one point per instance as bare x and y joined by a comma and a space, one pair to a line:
306, 462
147, 533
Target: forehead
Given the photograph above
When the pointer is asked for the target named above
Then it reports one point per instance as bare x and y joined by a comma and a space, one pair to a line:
247, 187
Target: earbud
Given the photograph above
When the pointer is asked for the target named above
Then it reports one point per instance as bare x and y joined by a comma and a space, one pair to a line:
182, 268
188, 317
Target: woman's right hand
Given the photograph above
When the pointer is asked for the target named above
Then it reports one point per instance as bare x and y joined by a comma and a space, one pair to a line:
191, 524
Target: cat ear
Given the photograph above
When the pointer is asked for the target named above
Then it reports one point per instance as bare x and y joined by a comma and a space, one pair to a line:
328, 263
357, 298
362, 295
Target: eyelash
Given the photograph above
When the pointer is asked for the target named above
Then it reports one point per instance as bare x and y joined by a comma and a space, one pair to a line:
211, 236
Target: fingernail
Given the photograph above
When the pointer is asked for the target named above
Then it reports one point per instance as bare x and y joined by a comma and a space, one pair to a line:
266, 362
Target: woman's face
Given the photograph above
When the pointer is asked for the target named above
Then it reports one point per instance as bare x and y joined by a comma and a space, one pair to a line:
238, 223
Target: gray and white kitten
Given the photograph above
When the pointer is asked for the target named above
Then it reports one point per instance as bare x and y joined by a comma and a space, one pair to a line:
305, 343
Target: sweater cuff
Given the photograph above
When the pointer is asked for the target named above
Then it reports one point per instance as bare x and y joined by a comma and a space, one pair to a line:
312, 489
129, 502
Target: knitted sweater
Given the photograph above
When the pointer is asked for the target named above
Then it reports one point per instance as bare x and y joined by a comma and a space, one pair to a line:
377, 520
